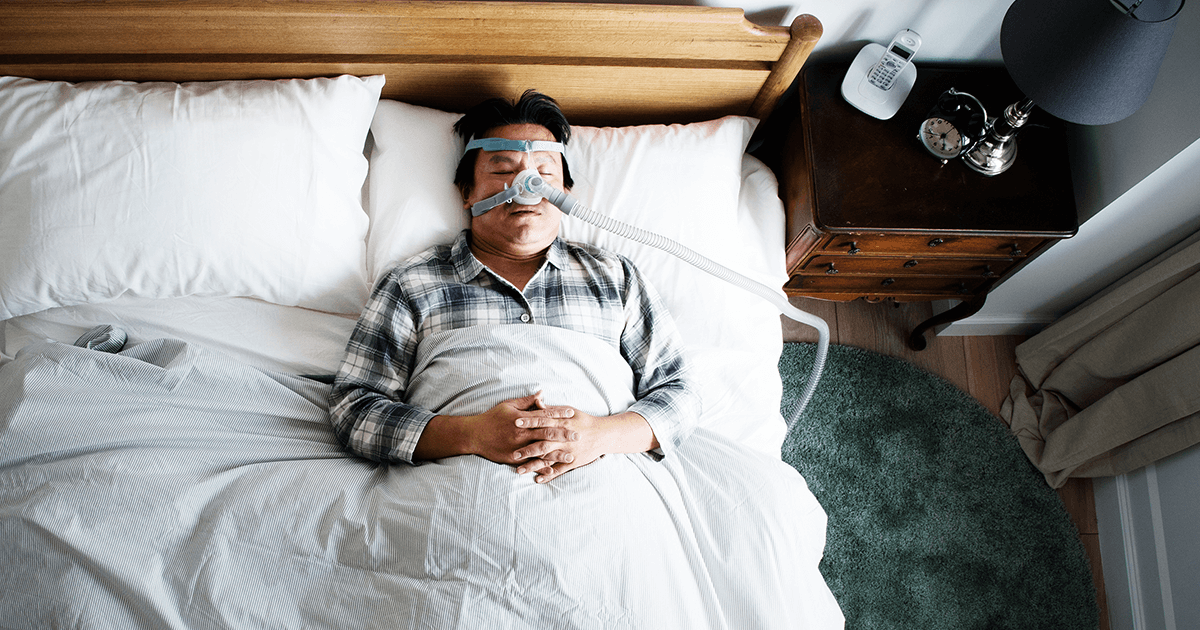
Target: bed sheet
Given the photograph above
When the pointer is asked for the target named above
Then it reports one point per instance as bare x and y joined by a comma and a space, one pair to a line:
208, 494
265, 335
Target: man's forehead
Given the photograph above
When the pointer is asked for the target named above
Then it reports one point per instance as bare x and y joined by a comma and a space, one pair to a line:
519, 131
506, 157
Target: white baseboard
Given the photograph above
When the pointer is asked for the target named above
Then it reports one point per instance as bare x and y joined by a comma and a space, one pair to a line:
984, 326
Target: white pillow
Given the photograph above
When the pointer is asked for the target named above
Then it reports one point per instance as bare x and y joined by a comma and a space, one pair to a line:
163, 190
680, 181
414, 203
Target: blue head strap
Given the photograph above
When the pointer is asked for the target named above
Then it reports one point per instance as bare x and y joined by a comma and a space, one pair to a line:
503, 144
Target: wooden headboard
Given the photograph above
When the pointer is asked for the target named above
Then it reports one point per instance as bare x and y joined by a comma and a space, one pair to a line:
604, 63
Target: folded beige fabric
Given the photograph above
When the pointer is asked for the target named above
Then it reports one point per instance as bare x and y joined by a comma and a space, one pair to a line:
1114, 384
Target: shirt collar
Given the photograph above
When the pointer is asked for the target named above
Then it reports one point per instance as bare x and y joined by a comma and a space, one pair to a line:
557, 254
467, 266
465, 263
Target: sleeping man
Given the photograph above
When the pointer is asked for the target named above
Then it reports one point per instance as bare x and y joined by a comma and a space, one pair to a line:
410, 386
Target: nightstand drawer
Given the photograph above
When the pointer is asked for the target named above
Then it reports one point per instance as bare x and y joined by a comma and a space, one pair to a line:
899, 286
905, 266
924, 245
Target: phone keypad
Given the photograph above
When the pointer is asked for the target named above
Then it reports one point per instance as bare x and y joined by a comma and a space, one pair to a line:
884, 72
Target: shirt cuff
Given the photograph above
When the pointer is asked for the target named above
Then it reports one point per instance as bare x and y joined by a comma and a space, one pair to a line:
666, 429
415, 421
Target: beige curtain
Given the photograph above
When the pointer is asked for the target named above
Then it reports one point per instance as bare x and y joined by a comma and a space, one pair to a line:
1114, 384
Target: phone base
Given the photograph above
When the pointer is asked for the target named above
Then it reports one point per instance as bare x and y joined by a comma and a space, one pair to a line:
882, 104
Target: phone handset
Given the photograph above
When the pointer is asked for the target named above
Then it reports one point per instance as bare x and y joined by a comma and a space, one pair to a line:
880, 78
898, 54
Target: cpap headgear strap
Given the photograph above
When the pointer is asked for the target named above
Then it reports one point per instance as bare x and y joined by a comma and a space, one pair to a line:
510, 193
504, 144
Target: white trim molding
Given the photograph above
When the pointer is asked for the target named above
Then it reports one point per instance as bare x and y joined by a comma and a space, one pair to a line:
1150, 544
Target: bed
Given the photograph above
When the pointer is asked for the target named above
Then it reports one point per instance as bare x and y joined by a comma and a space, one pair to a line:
206, 191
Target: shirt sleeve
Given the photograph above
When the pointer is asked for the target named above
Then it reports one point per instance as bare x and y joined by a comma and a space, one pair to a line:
664, 384
365, 405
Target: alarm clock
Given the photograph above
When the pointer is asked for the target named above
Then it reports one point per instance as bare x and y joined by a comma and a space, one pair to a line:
953, 126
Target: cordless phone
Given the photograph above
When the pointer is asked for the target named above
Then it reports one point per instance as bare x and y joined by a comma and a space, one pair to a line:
880, 78
897, 55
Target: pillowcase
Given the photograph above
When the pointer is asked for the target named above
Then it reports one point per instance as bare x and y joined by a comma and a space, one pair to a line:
228, 188
680, 181
414, 203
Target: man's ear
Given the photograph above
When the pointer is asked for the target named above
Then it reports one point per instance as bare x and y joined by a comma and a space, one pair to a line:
465, 190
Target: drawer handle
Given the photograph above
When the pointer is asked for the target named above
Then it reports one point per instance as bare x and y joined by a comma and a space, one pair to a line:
888, 281
1016, 250
962, 289
910, 264
987, 272
935, 242
853, 249
831, 270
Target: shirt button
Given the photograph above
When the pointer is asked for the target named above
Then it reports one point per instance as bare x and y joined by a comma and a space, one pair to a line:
525, 317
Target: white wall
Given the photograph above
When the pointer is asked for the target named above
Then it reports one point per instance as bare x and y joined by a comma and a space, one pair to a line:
951, 30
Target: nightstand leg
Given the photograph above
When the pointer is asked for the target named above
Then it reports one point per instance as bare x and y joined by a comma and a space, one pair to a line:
916, 341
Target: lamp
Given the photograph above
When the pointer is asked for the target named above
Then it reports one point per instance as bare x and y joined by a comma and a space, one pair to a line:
1090, 62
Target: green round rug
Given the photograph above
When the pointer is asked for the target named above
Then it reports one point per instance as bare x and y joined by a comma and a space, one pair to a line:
937, 520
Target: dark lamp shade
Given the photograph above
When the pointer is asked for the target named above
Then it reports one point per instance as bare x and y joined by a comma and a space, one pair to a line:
1084, 61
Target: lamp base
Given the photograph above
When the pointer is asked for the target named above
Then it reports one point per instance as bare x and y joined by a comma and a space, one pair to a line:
992, 157
998, 149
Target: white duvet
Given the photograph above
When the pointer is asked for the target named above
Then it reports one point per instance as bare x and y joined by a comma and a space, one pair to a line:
172, 487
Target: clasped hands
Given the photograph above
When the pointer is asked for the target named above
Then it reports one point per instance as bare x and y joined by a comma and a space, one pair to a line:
551, 440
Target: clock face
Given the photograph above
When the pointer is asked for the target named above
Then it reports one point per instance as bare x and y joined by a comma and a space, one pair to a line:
941, 138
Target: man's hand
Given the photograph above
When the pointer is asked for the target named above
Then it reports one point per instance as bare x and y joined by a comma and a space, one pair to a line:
594, 437
499, 433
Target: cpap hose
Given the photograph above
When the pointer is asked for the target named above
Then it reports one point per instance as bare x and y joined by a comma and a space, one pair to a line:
532, 182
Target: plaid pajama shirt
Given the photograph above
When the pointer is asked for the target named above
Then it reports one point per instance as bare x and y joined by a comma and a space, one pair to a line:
580, 288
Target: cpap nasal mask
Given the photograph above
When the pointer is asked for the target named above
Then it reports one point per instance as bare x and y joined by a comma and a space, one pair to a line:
513, 193
529, 188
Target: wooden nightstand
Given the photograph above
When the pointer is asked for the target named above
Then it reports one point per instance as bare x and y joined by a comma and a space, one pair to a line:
871, 214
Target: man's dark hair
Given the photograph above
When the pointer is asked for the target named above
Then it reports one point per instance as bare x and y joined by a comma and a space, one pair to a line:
532, 108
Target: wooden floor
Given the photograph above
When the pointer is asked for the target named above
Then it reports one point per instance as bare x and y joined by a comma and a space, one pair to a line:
980, 366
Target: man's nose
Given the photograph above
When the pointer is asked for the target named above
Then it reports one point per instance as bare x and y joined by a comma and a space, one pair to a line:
525, 161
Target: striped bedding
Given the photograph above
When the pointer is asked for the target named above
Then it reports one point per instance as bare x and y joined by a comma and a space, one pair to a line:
170, 486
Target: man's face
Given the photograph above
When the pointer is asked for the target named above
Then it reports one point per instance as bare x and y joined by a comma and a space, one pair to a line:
511, 228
